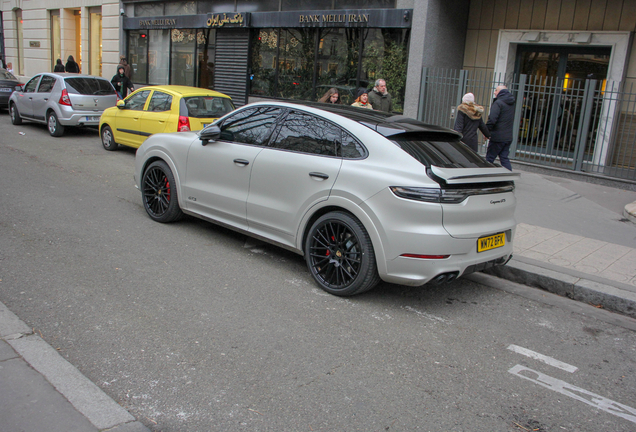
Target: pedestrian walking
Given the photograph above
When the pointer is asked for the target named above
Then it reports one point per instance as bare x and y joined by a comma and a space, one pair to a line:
362, 99
331, 96
121, 82
71, 65
59, 66
500, 124
379, 97
469, 119
127, 69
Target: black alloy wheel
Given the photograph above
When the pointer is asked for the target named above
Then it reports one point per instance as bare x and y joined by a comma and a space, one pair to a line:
160, 193
340, 255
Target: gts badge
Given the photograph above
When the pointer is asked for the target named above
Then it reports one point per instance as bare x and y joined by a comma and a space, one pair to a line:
501, 201
191, 198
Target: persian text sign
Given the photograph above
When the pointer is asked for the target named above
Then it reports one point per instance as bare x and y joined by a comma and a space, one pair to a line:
220, 20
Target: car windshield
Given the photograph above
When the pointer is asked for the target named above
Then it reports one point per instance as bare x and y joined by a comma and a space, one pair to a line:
89, 86
208, 106
6, 75
440, 151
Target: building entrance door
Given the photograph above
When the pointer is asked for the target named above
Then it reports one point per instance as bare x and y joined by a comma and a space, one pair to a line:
556, 79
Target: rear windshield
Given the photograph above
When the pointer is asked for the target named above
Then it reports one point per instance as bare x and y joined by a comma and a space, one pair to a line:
7, 75
89, 86
440, 151
208, 106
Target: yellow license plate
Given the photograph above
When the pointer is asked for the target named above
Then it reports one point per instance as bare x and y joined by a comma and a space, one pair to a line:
491, 242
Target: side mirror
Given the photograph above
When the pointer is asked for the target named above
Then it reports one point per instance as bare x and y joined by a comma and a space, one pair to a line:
210, 133
121, 104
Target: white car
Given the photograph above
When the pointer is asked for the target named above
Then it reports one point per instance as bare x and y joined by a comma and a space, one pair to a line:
363, 195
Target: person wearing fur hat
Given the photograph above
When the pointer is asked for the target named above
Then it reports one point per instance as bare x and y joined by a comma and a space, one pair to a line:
362, 99
469, 119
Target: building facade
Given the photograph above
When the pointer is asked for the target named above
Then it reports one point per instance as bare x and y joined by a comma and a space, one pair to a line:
297, 49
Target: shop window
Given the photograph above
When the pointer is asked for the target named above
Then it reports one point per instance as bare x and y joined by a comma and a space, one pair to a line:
56, 40
260, 6
95, 46
18, 68
292, 5
138, 55
181, 8
216, 6
206, 49
149, 9
364, 4
182, 56
159, 57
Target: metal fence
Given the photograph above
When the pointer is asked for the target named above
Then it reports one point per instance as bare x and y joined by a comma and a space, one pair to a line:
581, 125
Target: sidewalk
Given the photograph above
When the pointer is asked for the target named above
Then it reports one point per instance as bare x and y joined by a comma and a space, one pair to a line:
575, 239
41, 391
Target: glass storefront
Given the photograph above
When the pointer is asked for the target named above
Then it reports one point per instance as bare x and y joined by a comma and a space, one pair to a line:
304, 63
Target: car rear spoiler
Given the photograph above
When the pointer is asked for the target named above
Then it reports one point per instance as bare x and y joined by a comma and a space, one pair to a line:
474, 175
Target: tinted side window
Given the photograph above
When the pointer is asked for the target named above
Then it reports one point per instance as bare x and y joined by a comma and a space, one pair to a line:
32, 84
137, 101
351, 148
250, 126
89, 86
160, 101
306, 133
208, 106
46, 85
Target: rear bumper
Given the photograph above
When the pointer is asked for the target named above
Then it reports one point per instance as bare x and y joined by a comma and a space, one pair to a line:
70, 117
463, 259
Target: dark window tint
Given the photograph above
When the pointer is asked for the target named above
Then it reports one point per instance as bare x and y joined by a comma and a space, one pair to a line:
250, 126
208, 106
351, 148
160, 101
431, 150
46, 85
307, 134
137, 101
89, 86
32, 85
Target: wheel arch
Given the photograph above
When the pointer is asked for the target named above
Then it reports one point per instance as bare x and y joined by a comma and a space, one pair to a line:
345, 206
164, 158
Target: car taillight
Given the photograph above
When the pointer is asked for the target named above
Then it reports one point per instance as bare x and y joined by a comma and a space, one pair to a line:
64, 99
184, 124
446, 196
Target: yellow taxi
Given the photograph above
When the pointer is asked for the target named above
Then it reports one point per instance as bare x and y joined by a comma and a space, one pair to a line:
155, 109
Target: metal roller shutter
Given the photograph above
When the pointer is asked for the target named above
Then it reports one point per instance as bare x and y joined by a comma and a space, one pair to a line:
230, 69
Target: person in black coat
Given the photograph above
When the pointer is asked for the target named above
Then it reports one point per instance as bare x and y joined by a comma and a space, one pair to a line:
59, 66
121, 82
500, 124
71, 65
469, 120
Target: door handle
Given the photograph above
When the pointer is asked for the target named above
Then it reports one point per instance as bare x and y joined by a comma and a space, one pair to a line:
241, 162
319, 175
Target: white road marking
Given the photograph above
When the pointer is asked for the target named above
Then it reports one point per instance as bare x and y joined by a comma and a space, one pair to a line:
545, 359
425, 315
599, 402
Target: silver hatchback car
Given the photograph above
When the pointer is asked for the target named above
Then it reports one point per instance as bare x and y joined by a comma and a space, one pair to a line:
363, 195
62, 99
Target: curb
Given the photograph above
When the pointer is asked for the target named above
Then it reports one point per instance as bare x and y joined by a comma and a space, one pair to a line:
596, 293
85, 396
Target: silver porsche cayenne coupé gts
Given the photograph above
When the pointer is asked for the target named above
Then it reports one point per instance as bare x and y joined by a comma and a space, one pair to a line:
364, 196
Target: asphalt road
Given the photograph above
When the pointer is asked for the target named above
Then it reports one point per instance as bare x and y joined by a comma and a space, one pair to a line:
192, 327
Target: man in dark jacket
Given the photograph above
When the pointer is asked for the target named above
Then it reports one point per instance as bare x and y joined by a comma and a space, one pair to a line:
121, 82
500, 124
379, 97
71, 65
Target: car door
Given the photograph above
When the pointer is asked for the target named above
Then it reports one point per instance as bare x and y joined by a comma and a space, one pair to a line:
128, 124
24, 99
218, 173
156, 117
295, 172
41, 97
